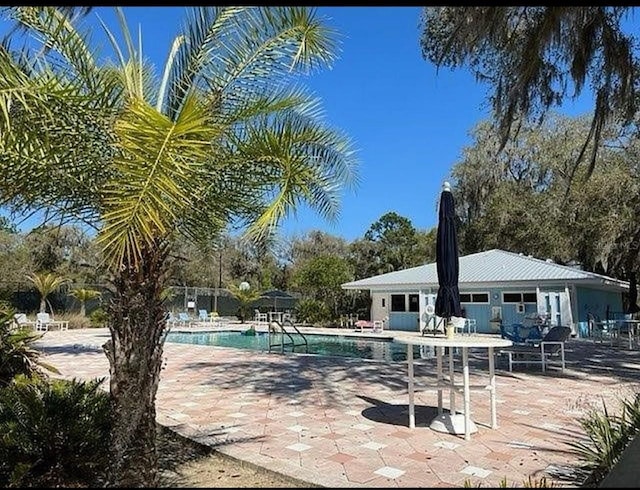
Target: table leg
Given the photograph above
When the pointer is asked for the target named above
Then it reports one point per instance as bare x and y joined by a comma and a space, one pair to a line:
492, 387
467, 401
452, 390
412, 413
439, 377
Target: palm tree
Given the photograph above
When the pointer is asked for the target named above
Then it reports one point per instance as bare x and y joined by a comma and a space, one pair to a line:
46, 283
246, 297
224, 135
83, 295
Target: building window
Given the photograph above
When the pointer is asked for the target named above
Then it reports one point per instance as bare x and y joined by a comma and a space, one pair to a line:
384, 302
482, 298
414, 302
398, 302
519, 298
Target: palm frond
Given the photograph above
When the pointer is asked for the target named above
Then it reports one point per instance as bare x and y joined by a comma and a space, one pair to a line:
203, 32
131, 67
157, 173
242, 52
296, 160
270, 45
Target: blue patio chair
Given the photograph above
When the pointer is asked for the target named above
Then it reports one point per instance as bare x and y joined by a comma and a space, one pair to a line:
203, 315
184, 319
520, 334
540, 352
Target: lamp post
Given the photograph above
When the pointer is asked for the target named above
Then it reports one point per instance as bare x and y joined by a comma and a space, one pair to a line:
215, 298
243, 286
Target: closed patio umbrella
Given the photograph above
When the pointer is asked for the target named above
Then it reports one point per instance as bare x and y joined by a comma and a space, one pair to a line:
448, 301
448, 298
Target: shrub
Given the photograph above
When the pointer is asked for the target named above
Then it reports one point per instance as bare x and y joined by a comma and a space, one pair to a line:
53, 432
98, 318
312, 311
17, 355
528, 483
608, 436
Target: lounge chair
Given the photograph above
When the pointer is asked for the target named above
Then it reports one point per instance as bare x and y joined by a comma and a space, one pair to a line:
539, 351
203, 315
44, 321
184, 319
20, 320
375, 326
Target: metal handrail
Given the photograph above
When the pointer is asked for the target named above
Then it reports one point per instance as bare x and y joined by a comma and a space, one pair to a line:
283, 332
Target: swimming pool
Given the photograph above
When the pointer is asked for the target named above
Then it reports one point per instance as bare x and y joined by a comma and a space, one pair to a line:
326, 345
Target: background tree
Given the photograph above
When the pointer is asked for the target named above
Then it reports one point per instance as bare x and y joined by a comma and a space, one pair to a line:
46, 283
534, 58
390, 244
320, 279
67, 250
537, 204
16, 262
301, 250
224, 135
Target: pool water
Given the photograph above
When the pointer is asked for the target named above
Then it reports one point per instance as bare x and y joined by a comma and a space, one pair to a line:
326, 345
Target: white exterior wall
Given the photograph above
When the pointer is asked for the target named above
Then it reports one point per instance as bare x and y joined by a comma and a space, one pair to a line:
378, 312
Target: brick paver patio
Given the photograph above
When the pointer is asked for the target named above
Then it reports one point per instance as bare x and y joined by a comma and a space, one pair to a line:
342, 422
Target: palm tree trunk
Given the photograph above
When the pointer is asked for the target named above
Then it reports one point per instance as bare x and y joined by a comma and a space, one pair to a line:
83, 309
135, 350
43, 304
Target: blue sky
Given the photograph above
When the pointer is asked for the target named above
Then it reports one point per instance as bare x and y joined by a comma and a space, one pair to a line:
408, 121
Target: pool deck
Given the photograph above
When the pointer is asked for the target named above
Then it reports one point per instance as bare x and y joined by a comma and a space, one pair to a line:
343, 422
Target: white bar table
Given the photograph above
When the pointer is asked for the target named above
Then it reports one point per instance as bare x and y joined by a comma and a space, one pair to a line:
465, 343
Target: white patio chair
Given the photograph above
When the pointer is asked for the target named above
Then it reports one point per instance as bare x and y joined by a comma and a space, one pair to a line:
458, 323
260, 318
470, 325
42, 321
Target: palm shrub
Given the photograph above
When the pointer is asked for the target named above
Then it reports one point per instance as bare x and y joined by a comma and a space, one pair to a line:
312, 311
245, 297
608, 436
83, 295
17, 355
46, 283
53, 432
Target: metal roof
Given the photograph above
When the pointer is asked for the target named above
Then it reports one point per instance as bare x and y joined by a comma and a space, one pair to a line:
489, 267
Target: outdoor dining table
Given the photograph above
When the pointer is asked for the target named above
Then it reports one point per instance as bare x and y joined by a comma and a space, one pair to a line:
464, 342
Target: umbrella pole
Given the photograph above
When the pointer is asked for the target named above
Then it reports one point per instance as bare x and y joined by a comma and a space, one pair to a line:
452, 390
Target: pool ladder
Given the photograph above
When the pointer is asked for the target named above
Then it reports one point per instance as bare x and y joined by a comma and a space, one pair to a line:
277, 330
